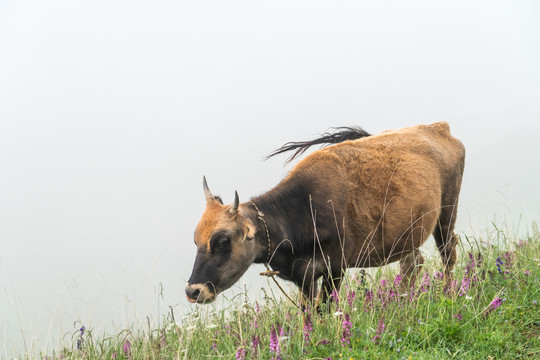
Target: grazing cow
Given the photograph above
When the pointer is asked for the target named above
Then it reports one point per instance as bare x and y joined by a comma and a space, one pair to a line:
366, 201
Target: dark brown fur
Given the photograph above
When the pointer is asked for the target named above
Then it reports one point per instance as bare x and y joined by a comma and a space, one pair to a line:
360, 203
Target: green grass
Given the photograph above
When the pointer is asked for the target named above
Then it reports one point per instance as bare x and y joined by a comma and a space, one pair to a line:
426, 323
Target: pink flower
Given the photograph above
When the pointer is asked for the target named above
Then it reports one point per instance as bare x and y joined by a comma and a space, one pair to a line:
494, 305
397, 280
368, 300
470, 265
351, 295
465, 285
347, 326
241, 353
255, 341
308, 328
335, 296
379, 332
127, 349
424, 286
274, 341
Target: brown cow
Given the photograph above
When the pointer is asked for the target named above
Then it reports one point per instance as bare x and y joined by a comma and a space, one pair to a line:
365, 202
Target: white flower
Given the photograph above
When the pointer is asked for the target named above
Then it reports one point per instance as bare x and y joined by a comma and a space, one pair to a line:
211, 326
191, 327
467, 297
338, 313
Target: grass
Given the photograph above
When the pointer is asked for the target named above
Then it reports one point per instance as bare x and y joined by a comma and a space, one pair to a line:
490, 312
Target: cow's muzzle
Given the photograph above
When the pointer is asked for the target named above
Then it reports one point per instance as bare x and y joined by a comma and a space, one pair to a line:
200, 293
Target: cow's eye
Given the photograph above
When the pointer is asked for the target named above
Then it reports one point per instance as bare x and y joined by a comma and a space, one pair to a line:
220, 242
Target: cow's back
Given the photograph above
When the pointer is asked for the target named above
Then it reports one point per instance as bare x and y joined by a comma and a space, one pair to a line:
393, 183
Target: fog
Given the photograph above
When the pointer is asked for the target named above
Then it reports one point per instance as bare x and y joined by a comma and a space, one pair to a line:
112, 111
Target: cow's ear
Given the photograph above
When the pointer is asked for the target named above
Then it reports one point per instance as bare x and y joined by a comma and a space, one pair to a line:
249, 232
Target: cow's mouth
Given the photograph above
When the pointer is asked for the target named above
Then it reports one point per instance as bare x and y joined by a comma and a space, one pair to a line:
199, 293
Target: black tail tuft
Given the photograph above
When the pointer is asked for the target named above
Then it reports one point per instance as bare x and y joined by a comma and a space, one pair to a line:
340, 134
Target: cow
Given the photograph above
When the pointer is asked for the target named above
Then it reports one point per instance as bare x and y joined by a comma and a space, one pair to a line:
360, 201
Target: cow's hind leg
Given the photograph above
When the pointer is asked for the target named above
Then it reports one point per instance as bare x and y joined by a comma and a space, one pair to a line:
446, 240
409, 267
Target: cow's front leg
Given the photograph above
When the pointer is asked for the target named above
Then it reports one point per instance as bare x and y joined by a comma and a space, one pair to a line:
308, 292
330, 284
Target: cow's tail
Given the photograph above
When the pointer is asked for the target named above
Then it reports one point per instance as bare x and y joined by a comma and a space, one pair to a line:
335, 136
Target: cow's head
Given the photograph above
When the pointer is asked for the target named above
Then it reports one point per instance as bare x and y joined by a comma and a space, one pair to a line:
224, 248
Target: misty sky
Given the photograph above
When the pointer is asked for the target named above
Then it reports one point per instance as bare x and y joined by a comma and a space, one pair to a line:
112, 111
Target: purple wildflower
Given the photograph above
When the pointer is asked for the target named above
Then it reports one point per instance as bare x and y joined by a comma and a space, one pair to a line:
114, 355
424, 286
526, 273
368, 300
351, 295
241, 353
274, 341
479, 260
379, 332
451, 287
494, 305
470, 265
508, 260
397, 280
362, 276
335, 296
82, 329
499, 262
465, 286
255, 341
347, 326
458, 316
439, 275
308, 329
214, 343
127, 349
323, 342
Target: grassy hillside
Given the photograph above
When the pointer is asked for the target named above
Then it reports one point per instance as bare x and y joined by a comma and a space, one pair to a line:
490, 312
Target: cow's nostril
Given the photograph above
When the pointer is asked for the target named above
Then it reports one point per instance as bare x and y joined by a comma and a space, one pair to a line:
193, 293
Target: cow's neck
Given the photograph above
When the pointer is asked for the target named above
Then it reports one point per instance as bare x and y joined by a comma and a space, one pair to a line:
285, 212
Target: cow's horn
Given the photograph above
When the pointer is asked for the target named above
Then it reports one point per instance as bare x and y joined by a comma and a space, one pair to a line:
207, 192
234, 206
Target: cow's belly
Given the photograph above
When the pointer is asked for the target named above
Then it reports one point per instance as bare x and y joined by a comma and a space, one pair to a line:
392, 237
